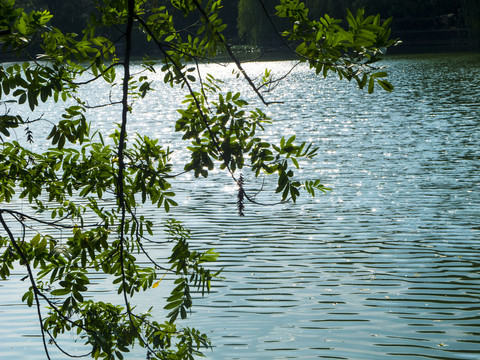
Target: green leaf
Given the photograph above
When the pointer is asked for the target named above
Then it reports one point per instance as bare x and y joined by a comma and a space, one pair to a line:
35, 240
60, 292
295, 162
351, 20
22, 26
380, 74
371, 85
173, 305
385, 85
30, 299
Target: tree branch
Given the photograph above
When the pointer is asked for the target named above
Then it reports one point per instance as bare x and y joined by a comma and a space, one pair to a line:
230, 53
36, 292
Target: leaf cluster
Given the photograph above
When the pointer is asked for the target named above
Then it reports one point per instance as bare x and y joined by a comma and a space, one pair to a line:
329, 47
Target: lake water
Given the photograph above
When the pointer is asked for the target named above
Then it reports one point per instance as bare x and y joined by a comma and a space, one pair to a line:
386, 266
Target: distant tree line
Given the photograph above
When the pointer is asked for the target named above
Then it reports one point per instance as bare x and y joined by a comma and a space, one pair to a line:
248, 24
409, 15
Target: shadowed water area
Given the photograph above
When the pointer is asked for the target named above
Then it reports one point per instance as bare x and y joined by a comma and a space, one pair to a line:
386, 266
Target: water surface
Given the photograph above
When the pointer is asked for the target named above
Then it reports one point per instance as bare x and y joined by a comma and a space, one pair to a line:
386, 266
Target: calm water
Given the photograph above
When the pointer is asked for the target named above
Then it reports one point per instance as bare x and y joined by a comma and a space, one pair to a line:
386, 266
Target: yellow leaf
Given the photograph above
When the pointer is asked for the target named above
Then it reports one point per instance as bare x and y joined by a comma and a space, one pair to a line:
158, 282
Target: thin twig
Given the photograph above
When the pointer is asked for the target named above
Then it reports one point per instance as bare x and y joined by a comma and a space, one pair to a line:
55, 223
228, 48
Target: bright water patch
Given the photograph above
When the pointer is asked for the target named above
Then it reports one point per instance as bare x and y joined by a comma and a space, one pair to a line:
384, 267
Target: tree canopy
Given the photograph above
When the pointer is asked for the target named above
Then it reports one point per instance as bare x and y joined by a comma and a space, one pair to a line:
83, 190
